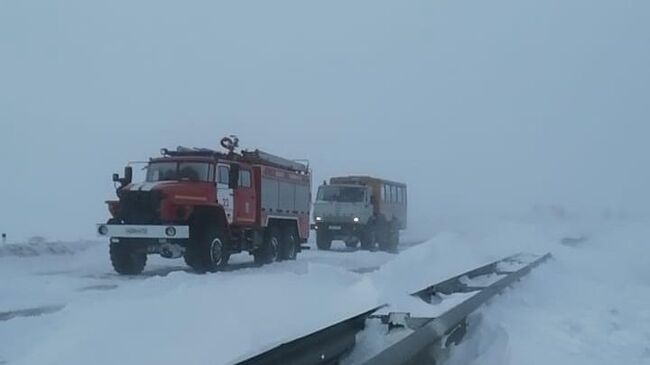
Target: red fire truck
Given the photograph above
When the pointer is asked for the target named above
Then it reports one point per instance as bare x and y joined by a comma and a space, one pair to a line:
206, 205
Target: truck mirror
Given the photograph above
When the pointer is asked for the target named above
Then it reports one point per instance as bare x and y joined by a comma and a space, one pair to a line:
127, 179
233, 176
128, 175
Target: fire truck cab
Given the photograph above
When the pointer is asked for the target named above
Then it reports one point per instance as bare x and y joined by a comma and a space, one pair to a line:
206, 205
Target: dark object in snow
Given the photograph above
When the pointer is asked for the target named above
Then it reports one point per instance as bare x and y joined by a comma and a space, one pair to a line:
4, 238
574, 241
32, 248
30, 312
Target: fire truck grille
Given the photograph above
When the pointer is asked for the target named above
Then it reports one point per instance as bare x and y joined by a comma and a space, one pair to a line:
140, 207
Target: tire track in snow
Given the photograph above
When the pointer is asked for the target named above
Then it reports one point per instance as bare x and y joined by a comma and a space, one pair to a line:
162, 272
30, 312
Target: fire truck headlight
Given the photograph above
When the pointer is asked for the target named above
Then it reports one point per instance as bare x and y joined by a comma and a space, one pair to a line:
102, 230
170, 231
355, 219
319, 219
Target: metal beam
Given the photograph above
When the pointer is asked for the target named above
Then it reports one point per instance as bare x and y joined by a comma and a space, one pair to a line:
454, 285
329, 345
325, 347
415, 348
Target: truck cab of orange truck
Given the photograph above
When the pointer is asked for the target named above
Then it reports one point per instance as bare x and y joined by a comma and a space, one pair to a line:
205, 205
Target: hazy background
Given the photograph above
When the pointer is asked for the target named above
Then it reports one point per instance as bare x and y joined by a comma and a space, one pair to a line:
488, 106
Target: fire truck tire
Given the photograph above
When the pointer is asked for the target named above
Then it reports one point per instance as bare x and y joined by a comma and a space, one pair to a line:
288, 244
127, 259
208, 252
270, 249
323, 241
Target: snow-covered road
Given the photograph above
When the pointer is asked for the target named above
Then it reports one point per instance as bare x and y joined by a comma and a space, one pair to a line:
45, 294
587, 305
45, 280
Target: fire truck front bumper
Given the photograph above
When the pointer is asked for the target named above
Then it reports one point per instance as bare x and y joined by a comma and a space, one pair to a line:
143, 231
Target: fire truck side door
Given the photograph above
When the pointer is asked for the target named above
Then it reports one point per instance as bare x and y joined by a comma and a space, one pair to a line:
225, 195
245, 197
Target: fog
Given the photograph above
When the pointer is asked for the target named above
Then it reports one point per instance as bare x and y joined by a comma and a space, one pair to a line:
488, 106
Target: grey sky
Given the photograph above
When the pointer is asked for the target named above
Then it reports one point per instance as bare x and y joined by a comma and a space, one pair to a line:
475, 104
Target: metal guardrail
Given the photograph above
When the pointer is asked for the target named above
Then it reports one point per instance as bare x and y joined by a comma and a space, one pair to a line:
325, 346
416, 348
329, 345
455, 285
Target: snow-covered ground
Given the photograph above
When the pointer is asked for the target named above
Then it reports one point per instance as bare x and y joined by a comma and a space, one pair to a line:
89, 310
587, 305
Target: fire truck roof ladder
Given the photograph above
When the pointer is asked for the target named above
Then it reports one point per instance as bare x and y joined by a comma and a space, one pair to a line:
187, 151
259, 156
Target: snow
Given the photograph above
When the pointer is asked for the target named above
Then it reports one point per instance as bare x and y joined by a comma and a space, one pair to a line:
479, 281
185, 318
223, 316
373, 340
589, 305
586, 305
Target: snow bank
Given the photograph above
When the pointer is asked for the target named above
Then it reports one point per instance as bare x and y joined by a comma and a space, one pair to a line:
170, 307
210, 319
589, 305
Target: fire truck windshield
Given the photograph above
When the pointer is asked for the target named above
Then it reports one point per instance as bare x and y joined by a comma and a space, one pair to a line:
345, 194
187, 171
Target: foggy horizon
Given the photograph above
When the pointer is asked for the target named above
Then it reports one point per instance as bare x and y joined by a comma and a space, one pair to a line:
494, 107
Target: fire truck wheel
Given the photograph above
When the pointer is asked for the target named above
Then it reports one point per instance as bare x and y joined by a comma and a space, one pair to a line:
288, 244
270, 249
208, 252
127, 259
323, 241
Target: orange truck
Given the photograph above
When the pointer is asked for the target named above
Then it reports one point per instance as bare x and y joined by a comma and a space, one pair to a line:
360, 210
